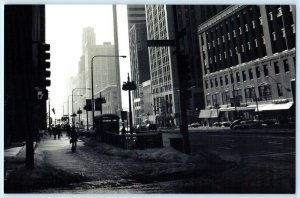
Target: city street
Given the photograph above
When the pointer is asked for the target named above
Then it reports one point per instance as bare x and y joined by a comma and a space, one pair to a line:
220, 163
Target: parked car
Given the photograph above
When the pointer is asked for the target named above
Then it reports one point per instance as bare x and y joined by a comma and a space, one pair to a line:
217, 124
235, 122
151, 127
195, 125
226, 123
141, 128
248, 124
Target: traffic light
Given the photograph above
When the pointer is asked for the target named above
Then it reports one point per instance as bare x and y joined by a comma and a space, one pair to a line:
98, 103
41, 61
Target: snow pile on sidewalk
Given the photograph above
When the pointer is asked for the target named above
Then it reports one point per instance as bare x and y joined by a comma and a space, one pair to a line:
166, 154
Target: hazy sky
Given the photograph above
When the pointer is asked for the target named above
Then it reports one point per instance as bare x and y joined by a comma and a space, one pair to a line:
64, 24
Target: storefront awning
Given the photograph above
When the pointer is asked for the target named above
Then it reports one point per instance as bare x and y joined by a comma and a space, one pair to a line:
275, 107
214, 113
205, 113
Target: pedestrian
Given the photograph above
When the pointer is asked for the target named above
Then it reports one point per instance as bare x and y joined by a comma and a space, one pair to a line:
50, 130
74, 138
58, 131
68, 129
54, 132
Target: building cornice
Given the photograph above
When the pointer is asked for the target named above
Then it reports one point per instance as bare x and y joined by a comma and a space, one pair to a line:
228, 12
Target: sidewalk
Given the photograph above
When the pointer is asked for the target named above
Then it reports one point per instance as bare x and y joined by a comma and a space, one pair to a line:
15, 157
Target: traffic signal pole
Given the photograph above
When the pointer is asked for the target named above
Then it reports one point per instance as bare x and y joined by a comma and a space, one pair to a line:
183, 90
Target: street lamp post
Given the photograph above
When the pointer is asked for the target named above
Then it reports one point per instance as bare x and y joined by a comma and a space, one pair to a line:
128, 86
73, 120
233, 92
72, 107
92, 80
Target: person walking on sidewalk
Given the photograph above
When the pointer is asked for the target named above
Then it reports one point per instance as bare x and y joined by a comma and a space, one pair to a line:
74, 138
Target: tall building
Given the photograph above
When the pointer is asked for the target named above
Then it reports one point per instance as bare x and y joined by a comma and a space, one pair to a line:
189, 17
248, 55
163, 67
136, 15
23, 114
106, 77
139, 60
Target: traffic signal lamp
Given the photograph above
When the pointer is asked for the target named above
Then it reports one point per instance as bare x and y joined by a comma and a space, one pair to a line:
42, 64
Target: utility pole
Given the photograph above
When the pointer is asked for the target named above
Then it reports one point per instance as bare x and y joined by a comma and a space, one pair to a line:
184, 123
182, 67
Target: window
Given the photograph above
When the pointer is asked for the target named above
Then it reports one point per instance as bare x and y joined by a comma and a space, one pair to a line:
271, 16
243, 50
218, 40
250, 94
206, 84
240, 29
250, 74
228, 35
215, 99
208, 101
279, 89
249, 46
266, 71
211, 83
230, 52
279, 12
225, 55
244, 75
260, 21
225, 97
264, 41
256, 44
257, 72
283, 32
223, 38
221, 81
276, 67
286, 65
231, 78
246, 27
265, 92
293, 27
237, 94
237, 74
253, 24
234, 35
274, 36
216, 82
226, 79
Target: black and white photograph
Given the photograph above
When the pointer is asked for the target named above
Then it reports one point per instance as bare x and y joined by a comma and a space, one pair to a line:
120, 98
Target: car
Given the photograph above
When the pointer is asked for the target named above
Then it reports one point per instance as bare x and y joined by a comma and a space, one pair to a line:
151, 127
226, 123
248, 124
234, 123
141, 128
195, 125
217, 124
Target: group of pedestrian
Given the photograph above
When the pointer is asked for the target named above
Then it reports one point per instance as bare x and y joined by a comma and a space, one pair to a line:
70, 132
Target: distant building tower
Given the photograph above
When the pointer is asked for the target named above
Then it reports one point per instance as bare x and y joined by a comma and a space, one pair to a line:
88, 37
139, 60
136, 15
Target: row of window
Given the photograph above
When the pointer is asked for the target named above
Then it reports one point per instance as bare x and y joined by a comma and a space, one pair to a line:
264, 91
225, 79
